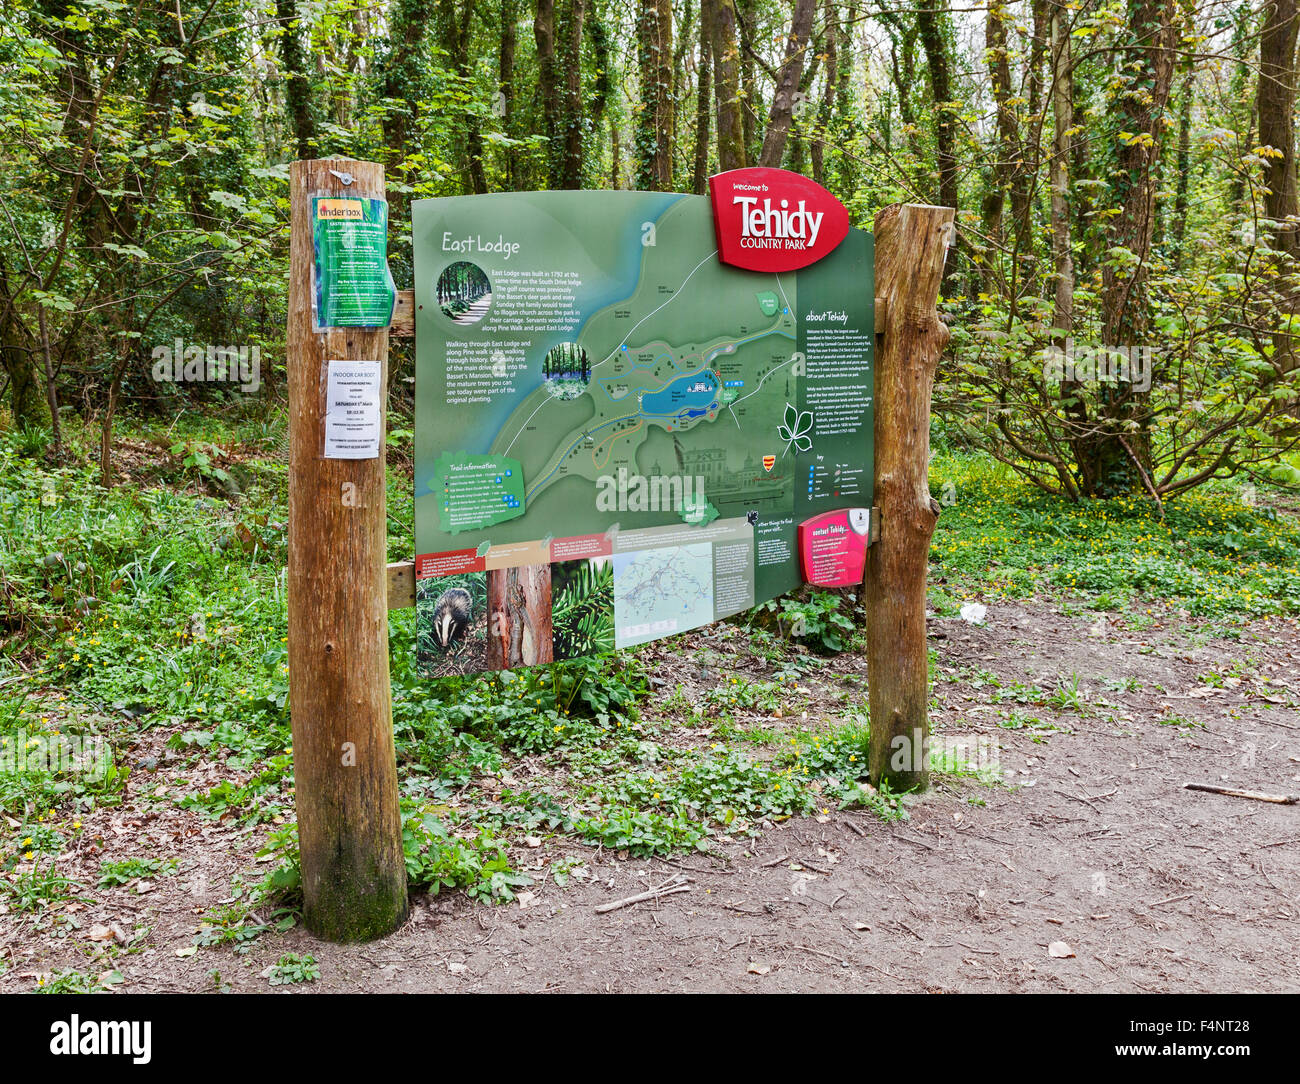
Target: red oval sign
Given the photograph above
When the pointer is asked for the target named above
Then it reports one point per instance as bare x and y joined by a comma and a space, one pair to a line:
774, 220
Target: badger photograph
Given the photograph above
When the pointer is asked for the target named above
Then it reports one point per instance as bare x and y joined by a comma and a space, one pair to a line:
451, 620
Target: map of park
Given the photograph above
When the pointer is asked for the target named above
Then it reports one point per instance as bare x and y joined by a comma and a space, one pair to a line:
661, 591
624, 393
690, 376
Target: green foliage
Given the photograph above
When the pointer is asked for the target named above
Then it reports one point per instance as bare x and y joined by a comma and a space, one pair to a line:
582, 609
189, 637
1211, 554
114, 873
436, 861
71, 981
824, 619
36, 888
293, 968
199, 456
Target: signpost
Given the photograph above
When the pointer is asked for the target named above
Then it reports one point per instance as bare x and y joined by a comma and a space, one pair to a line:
911, 246
345, 771
570, 345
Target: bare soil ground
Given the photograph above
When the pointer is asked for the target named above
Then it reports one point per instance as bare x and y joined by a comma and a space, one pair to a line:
1089, 840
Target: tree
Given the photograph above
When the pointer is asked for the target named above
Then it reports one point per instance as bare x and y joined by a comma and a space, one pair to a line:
297, 92
1118, 454
655, 119
931, 24
572, 147
506, 81
787, 83
1276, 103
1006, 129
721, 18
1062, 123
703, 108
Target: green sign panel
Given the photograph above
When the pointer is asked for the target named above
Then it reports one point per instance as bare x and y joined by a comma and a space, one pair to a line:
617, 436
353, 286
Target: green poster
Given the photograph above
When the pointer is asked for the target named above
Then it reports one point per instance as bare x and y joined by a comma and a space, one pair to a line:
617, 436
353, 285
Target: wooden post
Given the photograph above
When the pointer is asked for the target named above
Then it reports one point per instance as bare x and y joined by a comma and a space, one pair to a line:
911, 244
345, 771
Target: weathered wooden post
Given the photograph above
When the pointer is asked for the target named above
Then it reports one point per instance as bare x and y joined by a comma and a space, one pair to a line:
345, 772
911, 244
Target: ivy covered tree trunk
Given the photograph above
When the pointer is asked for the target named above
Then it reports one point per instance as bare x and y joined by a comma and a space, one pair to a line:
1183, 158
297, 92
1062, 93
1062, 123
1276, 101
1006, 184
602, 83
703, 108
654, 126
569, 171
1030, 152
932, 28
459, 49
721, 18
402, 87
787, 83
544, 39
1117, 457
745, 15
26, 394
506, 84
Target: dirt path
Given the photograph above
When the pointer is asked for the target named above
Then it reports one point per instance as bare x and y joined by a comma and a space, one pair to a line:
1091, 841
475, 312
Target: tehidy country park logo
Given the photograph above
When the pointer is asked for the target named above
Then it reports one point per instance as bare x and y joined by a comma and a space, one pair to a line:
119, 1038
774, 220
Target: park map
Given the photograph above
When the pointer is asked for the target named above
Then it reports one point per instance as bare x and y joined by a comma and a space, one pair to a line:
592, 383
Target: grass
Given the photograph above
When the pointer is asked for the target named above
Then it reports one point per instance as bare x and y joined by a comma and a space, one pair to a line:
158, 605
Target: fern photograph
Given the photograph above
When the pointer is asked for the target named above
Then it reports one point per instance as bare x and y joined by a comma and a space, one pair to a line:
582, 608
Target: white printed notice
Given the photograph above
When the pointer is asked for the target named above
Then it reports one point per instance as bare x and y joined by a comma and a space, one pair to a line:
352, 414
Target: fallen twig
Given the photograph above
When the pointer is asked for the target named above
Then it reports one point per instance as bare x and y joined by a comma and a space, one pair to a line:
984, 951
670, 887
1079, 798
1171, 899
1258, 796
741, 910
1275, 722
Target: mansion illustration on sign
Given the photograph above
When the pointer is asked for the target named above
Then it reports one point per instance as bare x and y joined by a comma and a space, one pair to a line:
636, 413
